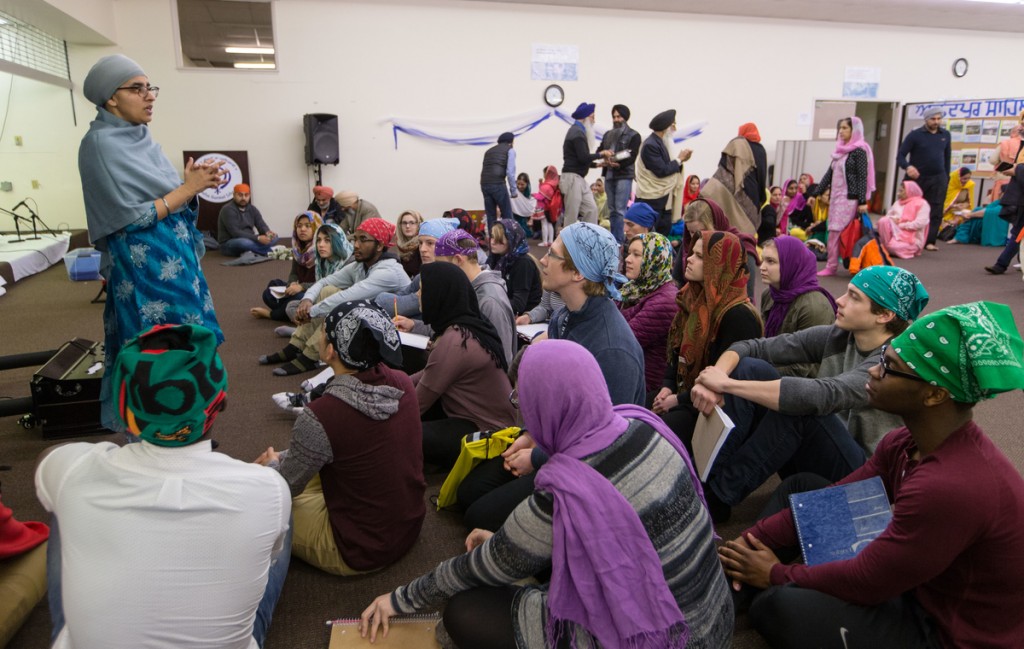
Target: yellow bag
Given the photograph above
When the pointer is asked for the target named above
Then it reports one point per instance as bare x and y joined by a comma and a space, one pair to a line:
476, 447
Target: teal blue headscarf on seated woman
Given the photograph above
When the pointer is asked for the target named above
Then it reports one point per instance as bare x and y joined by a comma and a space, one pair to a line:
123, 169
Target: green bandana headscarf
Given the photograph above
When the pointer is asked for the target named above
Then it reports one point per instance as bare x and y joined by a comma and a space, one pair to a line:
655, 269
973, 350
893, 288
170, 397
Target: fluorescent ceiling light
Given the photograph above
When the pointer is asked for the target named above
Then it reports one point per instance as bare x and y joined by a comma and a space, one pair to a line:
249, 50
256, 66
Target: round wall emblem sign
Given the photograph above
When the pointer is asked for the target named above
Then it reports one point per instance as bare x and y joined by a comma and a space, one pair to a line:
232, 176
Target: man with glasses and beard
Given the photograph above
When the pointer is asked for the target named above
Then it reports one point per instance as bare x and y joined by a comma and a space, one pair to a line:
659, 178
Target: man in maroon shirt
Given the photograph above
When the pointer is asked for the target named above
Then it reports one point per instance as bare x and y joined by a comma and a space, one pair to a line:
355, 463
948, 570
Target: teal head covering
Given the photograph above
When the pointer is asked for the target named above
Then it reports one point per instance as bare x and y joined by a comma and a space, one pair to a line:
972, 350
107, 75
341, 250
893, 288
595, 253
171, 384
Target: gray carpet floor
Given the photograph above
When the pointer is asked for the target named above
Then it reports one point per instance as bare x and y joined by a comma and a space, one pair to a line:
43, 311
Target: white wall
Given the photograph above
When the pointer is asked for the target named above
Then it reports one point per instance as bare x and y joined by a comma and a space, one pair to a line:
444, 59
41, 114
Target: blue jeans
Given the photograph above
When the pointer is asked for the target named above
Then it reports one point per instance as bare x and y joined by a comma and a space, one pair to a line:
618, 191
766, 442
235, 247
496, 196
264, 612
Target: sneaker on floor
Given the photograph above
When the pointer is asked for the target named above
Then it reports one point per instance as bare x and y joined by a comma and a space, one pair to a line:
292, 402
285, 331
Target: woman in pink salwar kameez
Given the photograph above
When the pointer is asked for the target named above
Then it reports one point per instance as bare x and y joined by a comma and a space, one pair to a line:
904, 228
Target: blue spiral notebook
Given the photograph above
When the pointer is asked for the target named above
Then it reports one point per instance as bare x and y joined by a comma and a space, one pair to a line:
837, 522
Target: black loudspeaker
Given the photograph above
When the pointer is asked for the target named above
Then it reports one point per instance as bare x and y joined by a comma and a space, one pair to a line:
321, 138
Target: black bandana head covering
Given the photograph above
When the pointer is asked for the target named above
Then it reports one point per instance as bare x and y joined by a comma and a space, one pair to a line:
448, 299
363, 335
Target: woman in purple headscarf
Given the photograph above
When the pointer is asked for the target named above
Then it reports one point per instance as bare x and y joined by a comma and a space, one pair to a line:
793, 300
851, 177
618, 519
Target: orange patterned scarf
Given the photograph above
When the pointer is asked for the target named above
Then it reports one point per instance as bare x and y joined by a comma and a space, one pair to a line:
703, 304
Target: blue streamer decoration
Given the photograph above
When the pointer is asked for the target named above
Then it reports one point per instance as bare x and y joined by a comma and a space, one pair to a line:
686, 133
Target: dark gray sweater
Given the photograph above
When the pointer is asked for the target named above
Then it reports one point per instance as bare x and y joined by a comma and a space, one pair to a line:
839, 386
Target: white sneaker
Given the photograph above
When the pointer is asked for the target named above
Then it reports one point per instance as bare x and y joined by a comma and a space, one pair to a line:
292, 402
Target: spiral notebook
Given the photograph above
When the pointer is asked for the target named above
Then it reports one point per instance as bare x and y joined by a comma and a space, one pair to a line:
837, 522
407, 631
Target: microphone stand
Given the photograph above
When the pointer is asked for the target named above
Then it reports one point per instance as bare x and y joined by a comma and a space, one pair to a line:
36, 217
17, 227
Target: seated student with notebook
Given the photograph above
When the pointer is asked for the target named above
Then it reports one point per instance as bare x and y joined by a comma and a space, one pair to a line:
794, 424
948, 570
460, 248
354, 464
374, 270
163, 543
460, 391
714, 313
651, 579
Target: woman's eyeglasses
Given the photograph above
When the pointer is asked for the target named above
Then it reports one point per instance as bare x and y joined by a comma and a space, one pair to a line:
142, 90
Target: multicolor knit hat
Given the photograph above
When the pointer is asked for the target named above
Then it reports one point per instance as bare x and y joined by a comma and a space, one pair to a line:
171, 384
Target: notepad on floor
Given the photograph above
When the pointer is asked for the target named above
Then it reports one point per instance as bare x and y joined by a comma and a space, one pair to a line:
407, 631
531, 330
278, 291
837, 522
708, 437
418, 341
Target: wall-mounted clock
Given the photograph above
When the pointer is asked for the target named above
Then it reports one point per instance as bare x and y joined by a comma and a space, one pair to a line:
554, 95
959, 67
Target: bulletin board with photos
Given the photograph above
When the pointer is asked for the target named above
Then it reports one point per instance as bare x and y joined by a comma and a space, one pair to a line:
976, 128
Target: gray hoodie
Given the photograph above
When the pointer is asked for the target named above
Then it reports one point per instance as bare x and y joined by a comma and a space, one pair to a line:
496, 309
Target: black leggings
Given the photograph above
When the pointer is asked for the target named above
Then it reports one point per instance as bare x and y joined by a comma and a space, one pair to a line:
489, 494
481, 618
442, 441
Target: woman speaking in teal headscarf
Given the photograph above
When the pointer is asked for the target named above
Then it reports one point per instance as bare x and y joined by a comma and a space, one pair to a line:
140, 215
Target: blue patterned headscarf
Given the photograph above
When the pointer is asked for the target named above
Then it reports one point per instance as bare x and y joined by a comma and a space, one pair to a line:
436, 227
595, 253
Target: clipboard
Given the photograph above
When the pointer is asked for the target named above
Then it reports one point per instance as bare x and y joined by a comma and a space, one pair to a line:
407, 631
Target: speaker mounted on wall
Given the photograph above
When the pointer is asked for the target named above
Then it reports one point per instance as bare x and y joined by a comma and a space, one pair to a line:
321, 131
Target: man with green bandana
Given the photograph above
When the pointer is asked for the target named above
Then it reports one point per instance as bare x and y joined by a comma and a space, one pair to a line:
821, 425
948, 570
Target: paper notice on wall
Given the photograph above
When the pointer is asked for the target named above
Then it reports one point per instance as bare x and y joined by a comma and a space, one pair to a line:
861, 83
554, 62
969, 158
956, 129
986, 156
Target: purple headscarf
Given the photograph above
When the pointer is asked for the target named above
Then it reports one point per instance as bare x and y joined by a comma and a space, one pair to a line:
612, 583
798, 274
